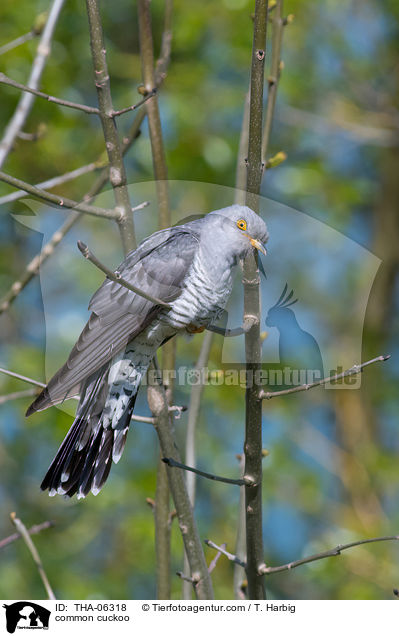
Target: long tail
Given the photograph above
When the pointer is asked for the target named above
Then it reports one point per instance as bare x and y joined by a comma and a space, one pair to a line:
97, 436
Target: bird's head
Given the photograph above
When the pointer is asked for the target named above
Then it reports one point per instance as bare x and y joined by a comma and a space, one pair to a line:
238, 229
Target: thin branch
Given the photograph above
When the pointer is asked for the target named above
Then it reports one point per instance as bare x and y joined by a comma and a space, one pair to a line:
357, 368
241, 168
162, 499
26, 37
222, 550
265, 570
152, 107
214, 561
226, 333
128, 109
323, 555
33, 136
273, 79
54, 181
35, 555
112, 142
190, 455
253, 408
241, 543
193, 413
247, 325
187, 579
18, 394
199, 571
134, 418
90, 110
26, 101
33, 530
67, 204
162, 523
226, 480
116, 277
24, 378
161, 66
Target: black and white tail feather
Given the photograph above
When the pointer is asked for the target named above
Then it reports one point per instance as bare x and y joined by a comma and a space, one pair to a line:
84, 459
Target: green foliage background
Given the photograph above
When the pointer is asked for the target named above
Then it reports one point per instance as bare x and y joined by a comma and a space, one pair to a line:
337, 119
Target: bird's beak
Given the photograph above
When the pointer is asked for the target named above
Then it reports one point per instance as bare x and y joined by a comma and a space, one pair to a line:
258, 245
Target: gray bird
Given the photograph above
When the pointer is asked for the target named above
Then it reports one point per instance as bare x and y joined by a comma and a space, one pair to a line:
188, 266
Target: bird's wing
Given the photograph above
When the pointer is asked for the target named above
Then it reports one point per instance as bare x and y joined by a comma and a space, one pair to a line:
158, 267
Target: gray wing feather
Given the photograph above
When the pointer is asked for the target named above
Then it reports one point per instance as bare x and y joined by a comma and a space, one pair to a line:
158, 266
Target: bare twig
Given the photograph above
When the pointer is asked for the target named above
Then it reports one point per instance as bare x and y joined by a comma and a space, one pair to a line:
35, 135
193, 414
222, 550
190, 454
128, 109
247, 324
35, 555
142, 418
162, 63
226, 480
199, 572
214, 561
18, 394
112, 143
24, 378
357, 368
33, 530
241, 168
17, 42
185, 578
26, 101
273, 79
264, 569
90, 110
55, 181
162, 523
66, 204
241, 543
116, 277
253, 409
154, 119
162, 526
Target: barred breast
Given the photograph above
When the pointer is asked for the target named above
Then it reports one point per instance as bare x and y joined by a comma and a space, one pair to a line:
203, 297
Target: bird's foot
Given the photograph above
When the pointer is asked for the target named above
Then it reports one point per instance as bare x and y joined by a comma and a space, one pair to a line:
194, 329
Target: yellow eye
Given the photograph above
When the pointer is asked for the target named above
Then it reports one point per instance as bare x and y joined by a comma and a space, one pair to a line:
241, 224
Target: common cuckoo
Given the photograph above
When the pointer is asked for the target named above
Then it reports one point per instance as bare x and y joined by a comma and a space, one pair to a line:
189, 267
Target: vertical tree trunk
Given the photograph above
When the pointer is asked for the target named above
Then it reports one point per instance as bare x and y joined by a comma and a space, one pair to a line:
253, 406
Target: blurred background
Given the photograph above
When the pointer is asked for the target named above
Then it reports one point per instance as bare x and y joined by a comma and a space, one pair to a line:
331, 475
